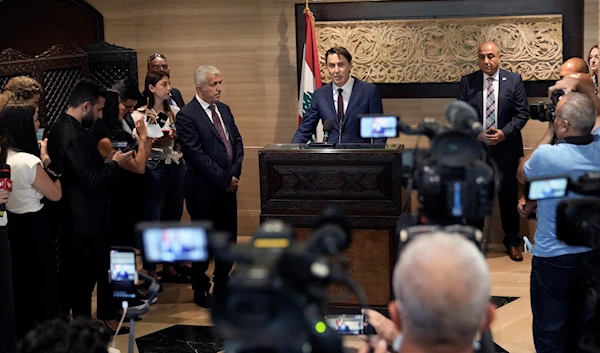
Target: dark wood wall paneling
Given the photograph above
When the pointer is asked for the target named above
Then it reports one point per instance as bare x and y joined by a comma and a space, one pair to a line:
572, 11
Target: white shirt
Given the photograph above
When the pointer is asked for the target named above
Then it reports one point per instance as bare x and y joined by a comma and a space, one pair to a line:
208, 112
496, 90
167, 154
347, 92
24, 197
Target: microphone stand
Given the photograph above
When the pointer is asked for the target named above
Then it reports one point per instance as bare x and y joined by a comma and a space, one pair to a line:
133, 314
341, 123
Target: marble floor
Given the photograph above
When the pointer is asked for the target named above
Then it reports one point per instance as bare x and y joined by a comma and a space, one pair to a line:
176, 324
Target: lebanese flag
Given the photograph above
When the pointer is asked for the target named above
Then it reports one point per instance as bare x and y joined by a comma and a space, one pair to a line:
310, 79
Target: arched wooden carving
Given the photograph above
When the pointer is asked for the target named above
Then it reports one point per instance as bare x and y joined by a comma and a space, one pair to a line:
32, 26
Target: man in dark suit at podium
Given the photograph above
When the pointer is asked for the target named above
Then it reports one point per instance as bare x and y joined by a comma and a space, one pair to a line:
358, 98
500, 99
213, 151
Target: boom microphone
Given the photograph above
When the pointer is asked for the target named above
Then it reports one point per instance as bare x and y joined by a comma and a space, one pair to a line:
5, 183
462, 117
327, 128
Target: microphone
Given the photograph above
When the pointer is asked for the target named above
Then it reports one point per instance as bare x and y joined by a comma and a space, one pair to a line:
5, 183
327, 128
120, 140
331, 233
463, 117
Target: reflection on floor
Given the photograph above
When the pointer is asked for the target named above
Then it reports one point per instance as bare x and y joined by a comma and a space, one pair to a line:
175, 323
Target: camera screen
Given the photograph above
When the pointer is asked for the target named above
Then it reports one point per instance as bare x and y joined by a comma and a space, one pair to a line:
175, 244
378, 126
347, 324
123, 274
548, 188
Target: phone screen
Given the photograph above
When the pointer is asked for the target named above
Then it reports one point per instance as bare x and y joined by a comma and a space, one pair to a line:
174, 244
378, 126
123, 274
349, 324
548, 188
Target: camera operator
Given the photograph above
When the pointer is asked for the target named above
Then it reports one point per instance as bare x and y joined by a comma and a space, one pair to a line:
557, 294
433, 313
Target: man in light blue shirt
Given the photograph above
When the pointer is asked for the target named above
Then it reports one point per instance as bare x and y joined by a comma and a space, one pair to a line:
557, 298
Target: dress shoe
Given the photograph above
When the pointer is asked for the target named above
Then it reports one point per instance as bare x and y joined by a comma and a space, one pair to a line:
203, 299
183, 269
514, 253
124, 330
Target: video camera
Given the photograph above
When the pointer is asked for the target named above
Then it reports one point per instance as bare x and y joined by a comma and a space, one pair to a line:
577, 224
545, 111
276, 298
454, 178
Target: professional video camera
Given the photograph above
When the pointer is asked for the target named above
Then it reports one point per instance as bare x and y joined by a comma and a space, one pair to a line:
276, 299
545, 111
577, 224
455, 179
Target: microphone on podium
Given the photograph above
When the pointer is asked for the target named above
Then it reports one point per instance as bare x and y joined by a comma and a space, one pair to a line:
5, 183
327, 128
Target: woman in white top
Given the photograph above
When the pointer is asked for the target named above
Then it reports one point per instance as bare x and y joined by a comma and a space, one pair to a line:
35, 277
167, 168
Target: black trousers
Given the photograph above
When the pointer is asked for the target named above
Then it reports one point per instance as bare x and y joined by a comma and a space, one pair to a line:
508, 195
8, 333
35, 278
220, 207
85, 262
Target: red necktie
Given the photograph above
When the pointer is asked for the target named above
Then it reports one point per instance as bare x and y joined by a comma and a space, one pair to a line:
221, 132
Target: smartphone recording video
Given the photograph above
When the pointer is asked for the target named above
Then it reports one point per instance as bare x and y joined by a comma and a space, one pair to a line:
174, 242
378, 126
123, 273
349, 324
542, 189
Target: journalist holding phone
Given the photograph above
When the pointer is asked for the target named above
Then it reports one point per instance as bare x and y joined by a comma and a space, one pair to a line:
32, 245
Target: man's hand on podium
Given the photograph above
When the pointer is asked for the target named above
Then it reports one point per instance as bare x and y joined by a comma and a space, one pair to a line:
234, 184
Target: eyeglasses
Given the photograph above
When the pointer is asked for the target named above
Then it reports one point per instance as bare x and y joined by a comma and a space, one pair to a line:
154, 56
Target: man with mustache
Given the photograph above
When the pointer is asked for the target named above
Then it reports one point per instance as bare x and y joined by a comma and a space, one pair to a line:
84, 208
500, 99
357, 98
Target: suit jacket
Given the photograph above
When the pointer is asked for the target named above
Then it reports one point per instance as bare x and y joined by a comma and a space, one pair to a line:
512, 114
204, 151
176, 95
365, 99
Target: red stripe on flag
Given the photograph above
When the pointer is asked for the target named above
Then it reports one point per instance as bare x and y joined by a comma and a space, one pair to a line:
312, 53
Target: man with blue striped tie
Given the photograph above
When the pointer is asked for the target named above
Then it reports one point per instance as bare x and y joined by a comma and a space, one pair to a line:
500, 99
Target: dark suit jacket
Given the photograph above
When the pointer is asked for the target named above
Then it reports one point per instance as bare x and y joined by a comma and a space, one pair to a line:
513, 110
176, 95
365, 99
204, 151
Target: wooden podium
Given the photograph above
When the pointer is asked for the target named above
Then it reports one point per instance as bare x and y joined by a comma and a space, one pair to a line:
298, 182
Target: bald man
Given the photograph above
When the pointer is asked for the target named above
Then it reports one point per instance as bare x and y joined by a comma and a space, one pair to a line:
432, 313
573, 65
500, 99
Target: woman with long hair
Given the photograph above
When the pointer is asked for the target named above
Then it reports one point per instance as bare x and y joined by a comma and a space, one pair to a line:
167, 168
593, 61
32, 243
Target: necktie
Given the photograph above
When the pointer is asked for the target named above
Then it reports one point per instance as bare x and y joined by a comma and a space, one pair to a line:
221, 132
490, 105
340, 105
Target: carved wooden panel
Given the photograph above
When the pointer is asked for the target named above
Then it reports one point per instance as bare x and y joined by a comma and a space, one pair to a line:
109, 63
306, 181
443, 50
57, 70
14, 63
